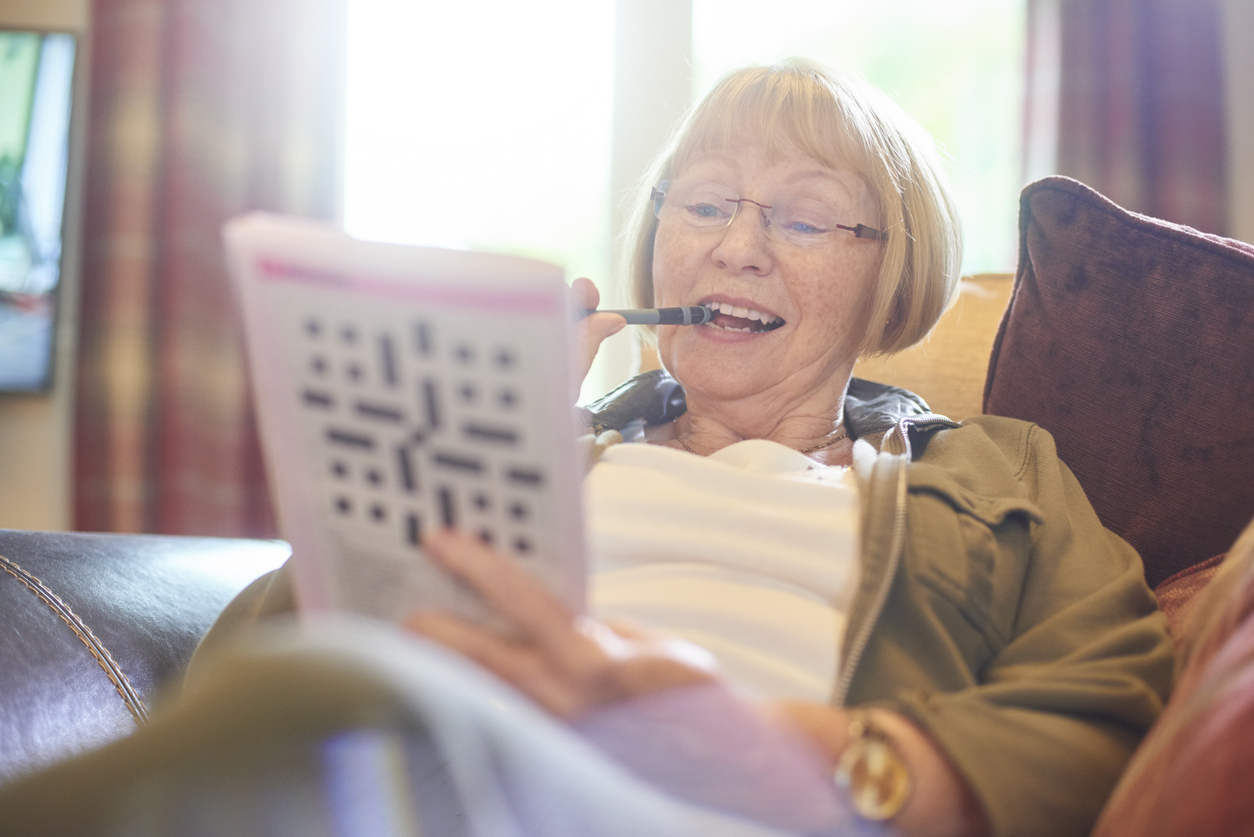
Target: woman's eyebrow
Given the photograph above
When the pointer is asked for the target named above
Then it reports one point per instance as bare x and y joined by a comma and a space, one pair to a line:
850, 186
839, 178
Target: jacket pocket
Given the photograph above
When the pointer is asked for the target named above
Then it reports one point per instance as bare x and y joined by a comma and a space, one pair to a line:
971, 552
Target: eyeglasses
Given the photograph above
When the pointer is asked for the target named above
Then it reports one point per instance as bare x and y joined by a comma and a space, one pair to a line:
708, 206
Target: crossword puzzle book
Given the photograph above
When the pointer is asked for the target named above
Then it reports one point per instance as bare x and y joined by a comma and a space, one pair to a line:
399, 388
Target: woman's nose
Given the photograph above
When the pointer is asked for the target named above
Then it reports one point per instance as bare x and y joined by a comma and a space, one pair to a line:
744, 245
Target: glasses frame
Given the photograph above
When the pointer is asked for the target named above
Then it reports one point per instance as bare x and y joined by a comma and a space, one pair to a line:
657, 194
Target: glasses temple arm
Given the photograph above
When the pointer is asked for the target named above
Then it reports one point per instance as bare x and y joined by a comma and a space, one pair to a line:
863, 231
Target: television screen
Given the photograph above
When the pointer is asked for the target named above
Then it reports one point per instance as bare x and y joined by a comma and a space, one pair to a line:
36, 75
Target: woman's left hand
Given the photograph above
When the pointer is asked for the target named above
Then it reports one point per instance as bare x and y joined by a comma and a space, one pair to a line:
590, 331
566, 663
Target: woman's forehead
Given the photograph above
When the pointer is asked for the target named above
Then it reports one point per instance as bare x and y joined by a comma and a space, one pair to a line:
780, 167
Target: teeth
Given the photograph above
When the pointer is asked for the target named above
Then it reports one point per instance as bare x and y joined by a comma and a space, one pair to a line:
743, 313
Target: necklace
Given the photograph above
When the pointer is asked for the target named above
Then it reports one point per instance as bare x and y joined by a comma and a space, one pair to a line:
831, 440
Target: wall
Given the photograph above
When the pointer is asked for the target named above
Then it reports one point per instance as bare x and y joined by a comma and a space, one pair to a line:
35, 430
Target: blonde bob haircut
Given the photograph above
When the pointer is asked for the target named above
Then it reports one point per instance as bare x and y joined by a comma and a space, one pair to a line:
843, 123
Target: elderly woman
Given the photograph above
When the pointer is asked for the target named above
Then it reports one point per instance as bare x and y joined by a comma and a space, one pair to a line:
1003, 643
933, 606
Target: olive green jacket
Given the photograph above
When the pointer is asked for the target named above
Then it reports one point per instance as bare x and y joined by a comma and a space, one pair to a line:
994, 610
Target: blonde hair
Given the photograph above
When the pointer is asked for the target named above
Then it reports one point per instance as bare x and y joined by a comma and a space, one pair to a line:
843, 123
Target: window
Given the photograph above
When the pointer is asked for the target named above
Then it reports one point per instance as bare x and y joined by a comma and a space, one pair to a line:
955, 67
449, 102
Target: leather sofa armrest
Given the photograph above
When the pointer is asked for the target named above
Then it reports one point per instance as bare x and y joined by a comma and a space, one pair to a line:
92, 626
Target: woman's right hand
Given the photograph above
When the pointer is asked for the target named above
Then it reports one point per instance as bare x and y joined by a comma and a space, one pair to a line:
566, 664
590, 331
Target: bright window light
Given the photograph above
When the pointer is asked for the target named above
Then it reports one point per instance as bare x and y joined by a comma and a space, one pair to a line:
956, 67
453, 106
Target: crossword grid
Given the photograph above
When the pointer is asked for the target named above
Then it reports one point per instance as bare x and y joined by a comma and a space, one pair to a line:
400, 390
415, 431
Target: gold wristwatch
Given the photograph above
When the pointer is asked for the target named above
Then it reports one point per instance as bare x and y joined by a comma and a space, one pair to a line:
871, 770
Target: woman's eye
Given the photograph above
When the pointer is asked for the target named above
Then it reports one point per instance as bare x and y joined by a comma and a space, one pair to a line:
704, 210
804, 227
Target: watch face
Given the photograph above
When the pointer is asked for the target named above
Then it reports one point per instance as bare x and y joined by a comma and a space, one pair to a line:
875, 777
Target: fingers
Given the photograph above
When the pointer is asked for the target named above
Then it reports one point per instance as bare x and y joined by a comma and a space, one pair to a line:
584, 295
615, 645
514, 663
632, 630
513, 593
590, 331
565, 664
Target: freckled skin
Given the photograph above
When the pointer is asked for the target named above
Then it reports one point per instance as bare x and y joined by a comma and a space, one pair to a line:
790, 382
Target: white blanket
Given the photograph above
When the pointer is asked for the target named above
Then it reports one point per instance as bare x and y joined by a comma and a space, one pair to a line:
704, 762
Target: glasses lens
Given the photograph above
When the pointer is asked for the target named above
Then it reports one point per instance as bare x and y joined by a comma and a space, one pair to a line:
805, 222
698, 203
705, 205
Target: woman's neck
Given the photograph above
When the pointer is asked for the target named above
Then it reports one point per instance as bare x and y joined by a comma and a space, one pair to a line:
813, 424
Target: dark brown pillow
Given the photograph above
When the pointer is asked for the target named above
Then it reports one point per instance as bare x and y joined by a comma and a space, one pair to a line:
1131, 340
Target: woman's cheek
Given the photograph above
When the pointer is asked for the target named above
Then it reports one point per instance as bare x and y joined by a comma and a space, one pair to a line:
674, 269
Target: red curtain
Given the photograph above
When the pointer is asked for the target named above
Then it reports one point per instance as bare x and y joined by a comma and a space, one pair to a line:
1140, 102
200, 109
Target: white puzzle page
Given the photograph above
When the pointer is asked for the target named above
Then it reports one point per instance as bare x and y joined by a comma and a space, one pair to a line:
404, 388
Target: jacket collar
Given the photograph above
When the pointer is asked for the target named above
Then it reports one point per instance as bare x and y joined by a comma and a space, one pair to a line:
871, 409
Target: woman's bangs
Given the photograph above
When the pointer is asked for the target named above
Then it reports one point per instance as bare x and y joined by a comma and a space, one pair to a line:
782, 112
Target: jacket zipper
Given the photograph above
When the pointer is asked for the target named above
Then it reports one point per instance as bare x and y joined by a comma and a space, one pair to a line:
899, 438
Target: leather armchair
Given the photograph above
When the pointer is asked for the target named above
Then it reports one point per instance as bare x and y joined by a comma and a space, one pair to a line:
94, 626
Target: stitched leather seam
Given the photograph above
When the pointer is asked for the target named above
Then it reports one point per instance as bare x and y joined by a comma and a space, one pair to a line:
97, 648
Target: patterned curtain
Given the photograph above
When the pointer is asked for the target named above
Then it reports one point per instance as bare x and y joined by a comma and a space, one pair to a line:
1140, 102
200, 110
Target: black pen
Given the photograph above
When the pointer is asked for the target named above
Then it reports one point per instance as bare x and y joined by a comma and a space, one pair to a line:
682, 315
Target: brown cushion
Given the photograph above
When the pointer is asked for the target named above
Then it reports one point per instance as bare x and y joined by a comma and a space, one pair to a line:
1131, 340
947, 369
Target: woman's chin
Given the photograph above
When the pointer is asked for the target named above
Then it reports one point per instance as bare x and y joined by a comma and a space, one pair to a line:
723, 364
717, 381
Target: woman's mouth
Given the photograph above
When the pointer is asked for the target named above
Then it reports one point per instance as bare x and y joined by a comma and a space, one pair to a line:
728, 317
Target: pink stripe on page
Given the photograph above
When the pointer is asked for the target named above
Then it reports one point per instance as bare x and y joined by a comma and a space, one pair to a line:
515, 302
